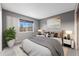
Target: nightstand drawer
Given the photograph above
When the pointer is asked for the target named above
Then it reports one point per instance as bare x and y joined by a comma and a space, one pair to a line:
67, 41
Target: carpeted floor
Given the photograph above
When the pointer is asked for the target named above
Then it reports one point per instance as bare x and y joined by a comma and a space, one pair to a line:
69, 51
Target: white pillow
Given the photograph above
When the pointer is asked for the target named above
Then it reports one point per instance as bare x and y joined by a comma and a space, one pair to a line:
27, 45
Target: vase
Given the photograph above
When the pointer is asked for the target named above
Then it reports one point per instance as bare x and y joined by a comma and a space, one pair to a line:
11, 43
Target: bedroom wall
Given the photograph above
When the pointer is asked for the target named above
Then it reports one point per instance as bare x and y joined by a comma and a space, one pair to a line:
77, 15
13, 21
0, 28
67, 21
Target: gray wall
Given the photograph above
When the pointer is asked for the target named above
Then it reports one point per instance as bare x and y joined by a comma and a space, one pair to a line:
67, 21
16, 17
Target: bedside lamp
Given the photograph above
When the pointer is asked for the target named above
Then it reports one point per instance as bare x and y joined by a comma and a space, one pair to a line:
68, 33
40, 31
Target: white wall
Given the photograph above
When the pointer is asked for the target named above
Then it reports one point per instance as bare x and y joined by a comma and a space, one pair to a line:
0, 28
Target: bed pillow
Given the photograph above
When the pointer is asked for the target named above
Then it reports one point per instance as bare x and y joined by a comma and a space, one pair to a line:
27, 45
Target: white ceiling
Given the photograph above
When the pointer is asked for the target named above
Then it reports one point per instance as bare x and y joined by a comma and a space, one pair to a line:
39, 10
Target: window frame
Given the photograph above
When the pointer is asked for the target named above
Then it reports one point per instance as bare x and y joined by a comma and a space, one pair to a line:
25, 31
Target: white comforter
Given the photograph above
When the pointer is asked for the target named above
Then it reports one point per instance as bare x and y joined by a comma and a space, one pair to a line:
34, 49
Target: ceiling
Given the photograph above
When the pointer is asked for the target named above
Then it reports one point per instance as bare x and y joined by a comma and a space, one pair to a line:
39, 10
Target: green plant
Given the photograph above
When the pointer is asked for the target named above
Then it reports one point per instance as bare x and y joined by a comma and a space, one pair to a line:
9, 34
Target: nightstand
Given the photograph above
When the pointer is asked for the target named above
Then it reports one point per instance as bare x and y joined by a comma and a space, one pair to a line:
68, 43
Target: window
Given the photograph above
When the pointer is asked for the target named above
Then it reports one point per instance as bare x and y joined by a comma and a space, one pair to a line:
26, 25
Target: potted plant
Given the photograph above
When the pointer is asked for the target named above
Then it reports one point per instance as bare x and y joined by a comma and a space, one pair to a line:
9, 35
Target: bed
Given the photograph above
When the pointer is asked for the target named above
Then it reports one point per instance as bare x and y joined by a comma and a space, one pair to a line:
35, 46
42, 46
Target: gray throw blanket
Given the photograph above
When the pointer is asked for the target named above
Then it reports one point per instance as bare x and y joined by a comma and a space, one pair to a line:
53, 45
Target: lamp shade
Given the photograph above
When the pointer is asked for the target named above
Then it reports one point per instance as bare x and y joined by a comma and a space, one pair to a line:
68, 32
39, 30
